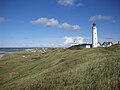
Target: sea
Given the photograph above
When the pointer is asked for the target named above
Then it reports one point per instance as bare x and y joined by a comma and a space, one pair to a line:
4, 51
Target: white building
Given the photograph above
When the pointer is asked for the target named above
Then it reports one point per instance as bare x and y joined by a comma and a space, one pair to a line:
85, 45
94, 36
107, 44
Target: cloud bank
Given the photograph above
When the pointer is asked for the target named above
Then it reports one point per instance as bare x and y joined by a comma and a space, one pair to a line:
100, 17
44, 42
68, 41
55, 23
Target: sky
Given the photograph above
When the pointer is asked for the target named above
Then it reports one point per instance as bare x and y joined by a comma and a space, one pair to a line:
57, 23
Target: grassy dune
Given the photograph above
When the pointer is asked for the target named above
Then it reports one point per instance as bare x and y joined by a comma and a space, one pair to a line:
62, 69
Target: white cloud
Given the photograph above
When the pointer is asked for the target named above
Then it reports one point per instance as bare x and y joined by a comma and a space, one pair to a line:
67, 2
68, 41
55, 23
114, 21
79, 4
46, 22
2, 20
100, 17
70, 3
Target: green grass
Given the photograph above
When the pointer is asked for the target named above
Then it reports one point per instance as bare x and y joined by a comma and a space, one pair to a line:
62, 69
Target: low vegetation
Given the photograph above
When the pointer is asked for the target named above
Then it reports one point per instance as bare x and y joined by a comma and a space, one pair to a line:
62, 69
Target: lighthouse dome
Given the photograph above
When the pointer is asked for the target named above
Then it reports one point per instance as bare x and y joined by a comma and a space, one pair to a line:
94, 24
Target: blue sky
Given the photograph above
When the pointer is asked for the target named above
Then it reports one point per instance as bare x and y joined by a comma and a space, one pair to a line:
56, 23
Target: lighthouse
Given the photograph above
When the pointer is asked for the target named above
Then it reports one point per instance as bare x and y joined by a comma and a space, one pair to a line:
94, 36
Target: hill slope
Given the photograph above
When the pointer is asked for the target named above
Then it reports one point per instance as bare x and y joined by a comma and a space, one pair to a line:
62, 69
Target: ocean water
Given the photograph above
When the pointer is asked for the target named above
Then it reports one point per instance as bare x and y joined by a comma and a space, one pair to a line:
4, 51
9, 50
17, 49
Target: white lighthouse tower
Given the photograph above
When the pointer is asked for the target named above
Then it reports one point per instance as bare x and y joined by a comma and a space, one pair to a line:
94, 36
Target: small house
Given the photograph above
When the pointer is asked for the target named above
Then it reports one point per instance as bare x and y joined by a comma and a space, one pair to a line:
107, 44
99, 44
86, 45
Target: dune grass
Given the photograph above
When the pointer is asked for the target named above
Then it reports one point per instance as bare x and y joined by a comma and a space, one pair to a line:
62, 69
